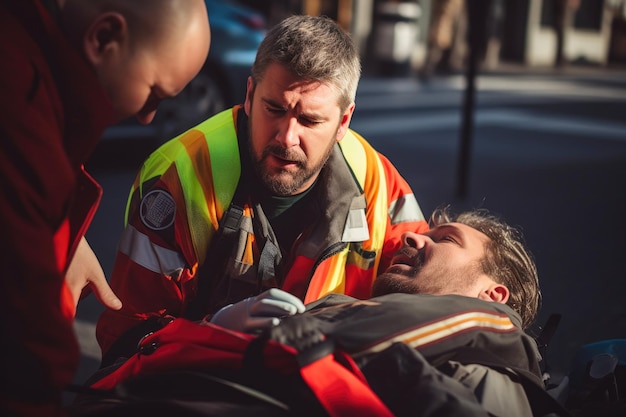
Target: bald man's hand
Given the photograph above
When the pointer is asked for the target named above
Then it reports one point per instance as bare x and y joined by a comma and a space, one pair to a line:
85, 275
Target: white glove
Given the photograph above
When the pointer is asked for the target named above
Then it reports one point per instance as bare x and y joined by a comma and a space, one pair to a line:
258, 313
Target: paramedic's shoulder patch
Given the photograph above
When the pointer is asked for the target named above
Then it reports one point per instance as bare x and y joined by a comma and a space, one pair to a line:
157, 210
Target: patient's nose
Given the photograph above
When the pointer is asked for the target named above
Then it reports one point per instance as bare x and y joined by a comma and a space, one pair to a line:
414, 240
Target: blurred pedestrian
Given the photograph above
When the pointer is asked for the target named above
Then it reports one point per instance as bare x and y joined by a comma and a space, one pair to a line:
564, 13
69, 69
447, 27
278, 192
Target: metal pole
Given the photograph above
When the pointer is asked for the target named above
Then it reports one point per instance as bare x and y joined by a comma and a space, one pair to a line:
476, 22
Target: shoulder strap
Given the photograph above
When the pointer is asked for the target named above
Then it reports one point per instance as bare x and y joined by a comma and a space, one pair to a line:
215, 289
219, 250
223, 241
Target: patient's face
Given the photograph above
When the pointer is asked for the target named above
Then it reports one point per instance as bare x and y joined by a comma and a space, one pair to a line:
444, 260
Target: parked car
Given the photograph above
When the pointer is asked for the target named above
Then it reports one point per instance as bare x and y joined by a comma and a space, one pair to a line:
236, 32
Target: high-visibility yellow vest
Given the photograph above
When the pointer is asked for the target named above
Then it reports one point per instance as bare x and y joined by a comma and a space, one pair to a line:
209, 179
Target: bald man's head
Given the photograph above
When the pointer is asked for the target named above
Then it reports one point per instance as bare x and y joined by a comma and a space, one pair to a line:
142, 50
145, 18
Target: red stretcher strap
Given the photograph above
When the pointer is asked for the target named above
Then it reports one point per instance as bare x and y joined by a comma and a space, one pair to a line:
342, 393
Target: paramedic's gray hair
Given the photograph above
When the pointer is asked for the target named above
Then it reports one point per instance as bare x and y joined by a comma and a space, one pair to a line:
507, 260
313, 48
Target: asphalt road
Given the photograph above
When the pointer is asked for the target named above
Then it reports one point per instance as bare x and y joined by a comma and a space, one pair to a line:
548, 154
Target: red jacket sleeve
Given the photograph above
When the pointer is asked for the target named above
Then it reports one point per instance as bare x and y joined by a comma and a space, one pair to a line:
39, 351
155, 262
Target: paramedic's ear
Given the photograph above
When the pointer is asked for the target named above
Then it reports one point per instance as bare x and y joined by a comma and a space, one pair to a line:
497, 293
344, 122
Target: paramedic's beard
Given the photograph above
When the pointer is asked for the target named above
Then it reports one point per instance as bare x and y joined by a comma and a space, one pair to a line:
287, 182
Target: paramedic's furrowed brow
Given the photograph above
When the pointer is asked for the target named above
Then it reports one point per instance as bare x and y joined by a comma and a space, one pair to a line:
311, 116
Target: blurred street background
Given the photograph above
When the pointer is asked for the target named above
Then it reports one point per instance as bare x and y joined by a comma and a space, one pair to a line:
545, 147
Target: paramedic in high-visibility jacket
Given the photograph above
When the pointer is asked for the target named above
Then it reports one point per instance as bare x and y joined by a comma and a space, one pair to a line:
278, 192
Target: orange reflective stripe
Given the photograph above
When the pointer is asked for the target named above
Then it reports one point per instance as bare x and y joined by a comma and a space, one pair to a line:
445, 328
375, 186
329, 277
368, 169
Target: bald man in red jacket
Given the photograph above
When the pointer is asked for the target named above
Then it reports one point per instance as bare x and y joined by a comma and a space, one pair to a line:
69, 69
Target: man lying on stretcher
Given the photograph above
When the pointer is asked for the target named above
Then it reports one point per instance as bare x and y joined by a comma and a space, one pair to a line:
468, 259
456, 300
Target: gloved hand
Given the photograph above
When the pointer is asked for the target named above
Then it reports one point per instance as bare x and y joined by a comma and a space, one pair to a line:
258, 313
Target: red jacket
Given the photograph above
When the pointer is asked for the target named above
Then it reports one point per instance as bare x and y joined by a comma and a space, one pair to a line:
52, 112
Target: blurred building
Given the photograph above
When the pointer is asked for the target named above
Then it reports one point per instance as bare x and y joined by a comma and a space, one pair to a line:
395, 32
587, 36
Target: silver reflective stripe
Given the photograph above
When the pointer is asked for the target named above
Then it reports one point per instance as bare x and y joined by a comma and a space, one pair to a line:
356, 229
137, 246
405, 209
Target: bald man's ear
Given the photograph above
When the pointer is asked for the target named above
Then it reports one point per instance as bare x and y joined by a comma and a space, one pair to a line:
247, 105
104, 36
495, 292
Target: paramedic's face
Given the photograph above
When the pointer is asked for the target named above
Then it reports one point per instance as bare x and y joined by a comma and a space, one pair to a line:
294, 125
444, 260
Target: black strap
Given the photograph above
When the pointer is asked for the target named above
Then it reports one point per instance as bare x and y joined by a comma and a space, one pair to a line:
548, 330
219, 252
271, 256
543, 341
212, 289
126, 345
215, 289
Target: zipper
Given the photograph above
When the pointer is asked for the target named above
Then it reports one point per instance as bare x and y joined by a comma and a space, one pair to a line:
333, 249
